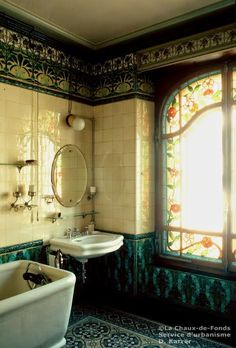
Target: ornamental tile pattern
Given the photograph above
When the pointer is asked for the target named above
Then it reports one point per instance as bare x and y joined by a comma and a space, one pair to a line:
32, 64
29, 63
25, 251
132, 271
197, 45
105, 328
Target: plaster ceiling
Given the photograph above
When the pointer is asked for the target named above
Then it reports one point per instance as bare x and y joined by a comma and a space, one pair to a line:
100, 23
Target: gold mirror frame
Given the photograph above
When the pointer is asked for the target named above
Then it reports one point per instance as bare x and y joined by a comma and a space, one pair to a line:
69, 175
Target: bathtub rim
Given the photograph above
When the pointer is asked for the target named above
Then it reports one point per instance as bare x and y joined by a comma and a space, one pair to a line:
12, 303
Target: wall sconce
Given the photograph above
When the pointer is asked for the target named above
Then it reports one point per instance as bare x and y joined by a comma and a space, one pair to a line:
76, 122
92, 192
25, 204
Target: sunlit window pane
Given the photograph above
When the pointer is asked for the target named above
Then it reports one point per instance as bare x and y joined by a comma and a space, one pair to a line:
201, 173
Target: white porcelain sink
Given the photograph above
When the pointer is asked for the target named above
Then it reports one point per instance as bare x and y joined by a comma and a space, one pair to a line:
86, 247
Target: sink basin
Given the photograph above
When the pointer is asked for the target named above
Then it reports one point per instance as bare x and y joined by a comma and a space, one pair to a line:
90, 246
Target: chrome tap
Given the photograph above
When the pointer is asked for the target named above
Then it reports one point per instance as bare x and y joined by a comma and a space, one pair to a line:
68, 233
76, 232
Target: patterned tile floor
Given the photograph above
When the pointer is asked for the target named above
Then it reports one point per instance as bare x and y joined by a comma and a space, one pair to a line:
92, 327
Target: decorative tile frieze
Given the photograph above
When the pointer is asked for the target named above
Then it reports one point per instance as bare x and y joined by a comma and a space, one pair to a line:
195, 290
26, 62
24, 251
32, 64
197, 45
127, 62
29, 63
131, 270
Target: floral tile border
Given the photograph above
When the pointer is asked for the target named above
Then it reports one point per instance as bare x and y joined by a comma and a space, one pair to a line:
30, 63
193, 46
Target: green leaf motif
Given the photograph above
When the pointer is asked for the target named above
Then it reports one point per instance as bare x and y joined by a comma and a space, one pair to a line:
169, 155
204, 253
216, 96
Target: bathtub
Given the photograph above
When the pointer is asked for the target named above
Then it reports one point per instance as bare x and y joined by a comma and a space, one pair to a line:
38, 317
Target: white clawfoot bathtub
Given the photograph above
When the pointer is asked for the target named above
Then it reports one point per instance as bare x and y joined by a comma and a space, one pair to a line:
35, 318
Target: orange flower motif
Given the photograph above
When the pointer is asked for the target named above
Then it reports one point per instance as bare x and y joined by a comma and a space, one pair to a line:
174, 172
171, 113
208, 91
206, 242
175, 208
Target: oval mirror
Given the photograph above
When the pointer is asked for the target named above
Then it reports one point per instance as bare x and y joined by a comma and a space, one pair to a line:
69, 175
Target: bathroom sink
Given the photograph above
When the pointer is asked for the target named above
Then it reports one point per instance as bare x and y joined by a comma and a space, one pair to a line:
89, 246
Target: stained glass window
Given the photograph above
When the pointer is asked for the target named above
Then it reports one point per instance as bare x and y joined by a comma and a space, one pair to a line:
199, 169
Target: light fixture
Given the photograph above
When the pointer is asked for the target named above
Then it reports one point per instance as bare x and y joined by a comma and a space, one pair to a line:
19, 193
92, 192
76, 122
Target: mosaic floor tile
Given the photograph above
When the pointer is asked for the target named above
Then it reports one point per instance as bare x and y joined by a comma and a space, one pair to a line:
104, 328
93, 332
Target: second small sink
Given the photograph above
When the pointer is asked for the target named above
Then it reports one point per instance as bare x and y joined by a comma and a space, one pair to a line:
89, 246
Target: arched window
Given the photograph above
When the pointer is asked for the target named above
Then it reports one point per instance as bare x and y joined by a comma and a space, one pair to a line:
198, 171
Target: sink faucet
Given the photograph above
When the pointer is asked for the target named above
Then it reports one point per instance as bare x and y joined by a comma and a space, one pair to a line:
86, 231
76, 232
68, 233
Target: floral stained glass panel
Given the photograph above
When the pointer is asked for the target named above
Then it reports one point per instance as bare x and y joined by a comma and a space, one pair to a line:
193, 171
191, 98
194, 244
172, 181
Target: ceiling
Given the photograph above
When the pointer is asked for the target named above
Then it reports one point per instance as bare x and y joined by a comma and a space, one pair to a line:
101, 23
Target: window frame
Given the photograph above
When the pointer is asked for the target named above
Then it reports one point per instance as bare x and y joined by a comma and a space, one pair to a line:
227, 267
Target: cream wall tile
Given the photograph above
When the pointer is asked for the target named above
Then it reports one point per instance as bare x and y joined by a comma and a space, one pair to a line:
132, 153
107, 109
98, 136
2, 236
107, 147
117, 121
99, 111
107, 135
118, 147
2, 105
99, 123
117, 134
129, 133
117, 174
117, 160
129, 120
118, 108
129, 159
31, 120
129, 146
3, 149
129, 106
130, 226
107, 122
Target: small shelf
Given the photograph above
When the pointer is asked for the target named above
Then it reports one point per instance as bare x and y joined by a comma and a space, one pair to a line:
82, 214
21, 164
